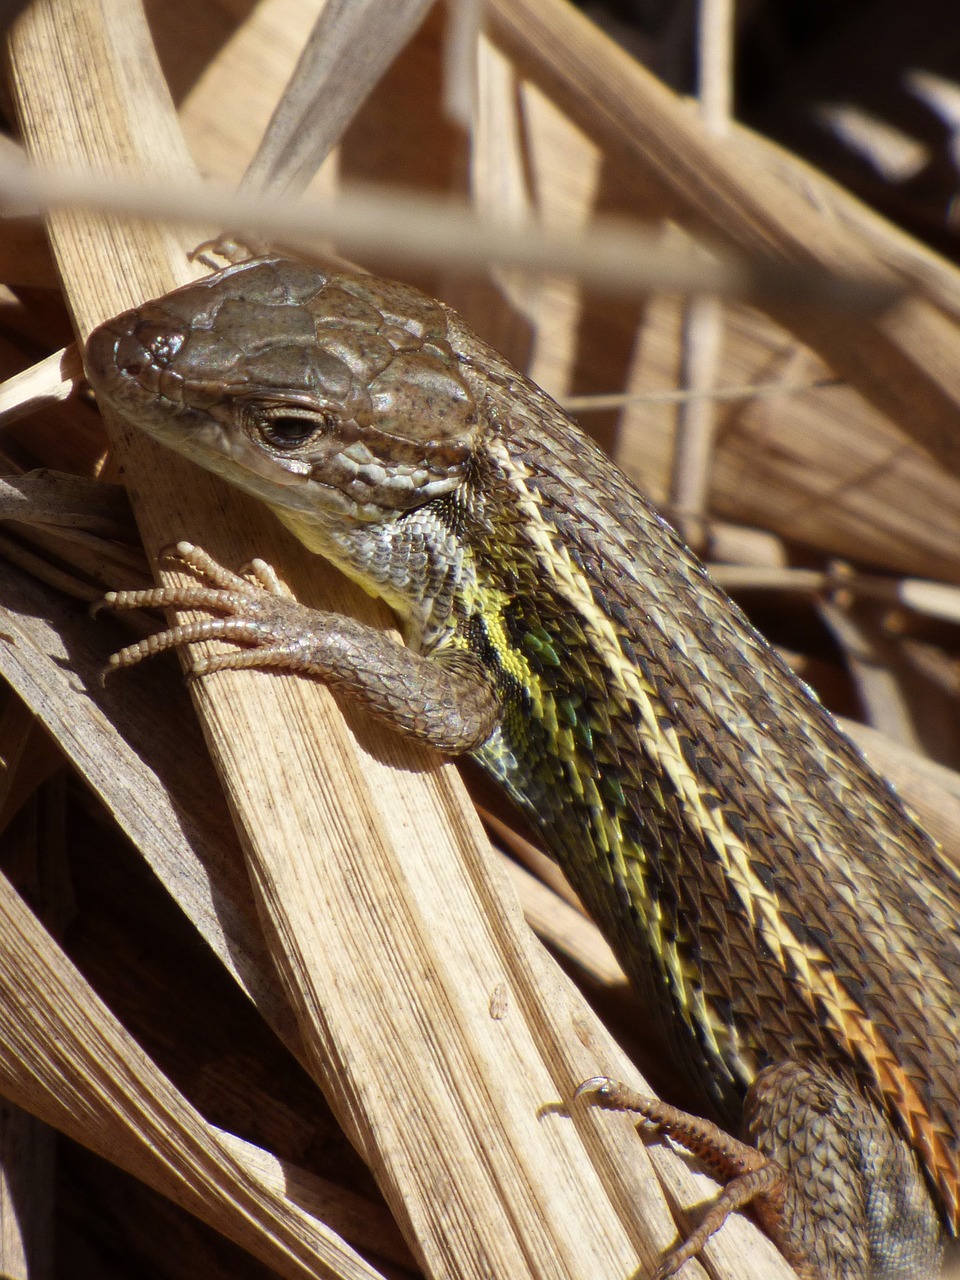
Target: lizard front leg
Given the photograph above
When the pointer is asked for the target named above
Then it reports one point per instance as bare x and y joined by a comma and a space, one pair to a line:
445, 699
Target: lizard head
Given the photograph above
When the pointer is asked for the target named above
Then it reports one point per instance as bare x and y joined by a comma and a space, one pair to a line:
324, 394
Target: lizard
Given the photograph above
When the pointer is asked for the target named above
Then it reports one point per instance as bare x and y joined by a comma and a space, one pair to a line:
778, 910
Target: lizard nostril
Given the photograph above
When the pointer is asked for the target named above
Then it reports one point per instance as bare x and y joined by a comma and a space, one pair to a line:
158, 345
131, 357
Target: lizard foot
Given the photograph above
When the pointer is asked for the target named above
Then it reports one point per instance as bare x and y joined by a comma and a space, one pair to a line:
830, 1181
753, 1178
258, 612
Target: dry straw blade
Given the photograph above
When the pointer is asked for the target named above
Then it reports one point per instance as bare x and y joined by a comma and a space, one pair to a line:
350, 47
66, 1059
747, 207
409, 229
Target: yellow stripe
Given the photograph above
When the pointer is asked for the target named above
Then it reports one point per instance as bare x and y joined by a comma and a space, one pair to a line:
759, 904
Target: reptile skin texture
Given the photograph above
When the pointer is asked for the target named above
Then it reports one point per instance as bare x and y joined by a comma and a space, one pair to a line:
782, 917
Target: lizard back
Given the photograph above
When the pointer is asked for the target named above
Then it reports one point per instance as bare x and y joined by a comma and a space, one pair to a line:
766, 891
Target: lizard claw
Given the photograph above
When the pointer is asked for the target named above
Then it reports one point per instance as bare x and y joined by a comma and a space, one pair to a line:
247, 602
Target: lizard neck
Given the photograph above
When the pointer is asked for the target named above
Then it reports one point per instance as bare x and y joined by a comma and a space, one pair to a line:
416, 563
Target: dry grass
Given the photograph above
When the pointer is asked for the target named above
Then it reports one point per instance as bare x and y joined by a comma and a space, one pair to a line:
341, 922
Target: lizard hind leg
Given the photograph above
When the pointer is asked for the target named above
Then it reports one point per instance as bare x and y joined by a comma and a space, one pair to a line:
821, 1169
854, 1204
751, 1178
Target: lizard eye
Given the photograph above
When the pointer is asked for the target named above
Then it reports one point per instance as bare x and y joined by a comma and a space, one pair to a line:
292, 430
